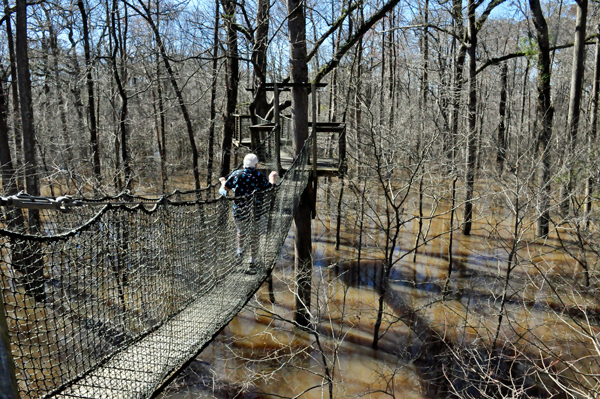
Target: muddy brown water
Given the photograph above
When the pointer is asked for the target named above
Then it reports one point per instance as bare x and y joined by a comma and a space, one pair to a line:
433, 345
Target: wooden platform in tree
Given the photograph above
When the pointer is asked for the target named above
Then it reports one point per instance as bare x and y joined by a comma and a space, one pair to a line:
325, 166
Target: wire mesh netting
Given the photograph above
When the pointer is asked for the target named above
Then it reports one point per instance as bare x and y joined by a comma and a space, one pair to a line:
108, 299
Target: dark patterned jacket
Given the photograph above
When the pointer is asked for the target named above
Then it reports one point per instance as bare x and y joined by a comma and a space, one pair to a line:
243, 182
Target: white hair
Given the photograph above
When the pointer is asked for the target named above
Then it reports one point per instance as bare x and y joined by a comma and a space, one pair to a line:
250, 161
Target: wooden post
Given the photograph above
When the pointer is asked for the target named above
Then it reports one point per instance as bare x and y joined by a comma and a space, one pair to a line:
313, 89
277, 129
8, 380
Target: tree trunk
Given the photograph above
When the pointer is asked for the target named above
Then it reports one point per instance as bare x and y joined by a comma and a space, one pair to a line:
456, 94
213, 98
593, 124
393, 63
159, 120
459, 64
422, 108
545, 114
358, 84
334, 77
159, 115
451, 238
94, 144
120, 75
66, 148
425, 74
75, 89
7, 169
473, 27
15, 99
260, 106
382, 83
472, 117
577, 73
31, 173
231, 82
32, 264
501, 151
302, 220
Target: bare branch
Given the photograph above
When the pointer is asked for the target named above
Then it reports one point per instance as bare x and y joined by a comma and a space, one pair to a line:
354, 39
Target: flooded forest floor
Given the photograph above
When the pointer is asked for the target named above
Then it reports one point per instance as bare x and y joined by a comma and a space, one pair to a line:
501, 315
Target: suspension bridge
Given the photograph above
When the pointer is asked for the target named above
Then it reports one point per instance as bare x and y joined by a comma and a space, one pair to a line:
107, 298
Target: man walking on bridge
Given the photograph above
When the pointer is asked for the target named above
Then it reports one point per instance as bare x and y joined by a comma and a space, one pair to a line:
244, 182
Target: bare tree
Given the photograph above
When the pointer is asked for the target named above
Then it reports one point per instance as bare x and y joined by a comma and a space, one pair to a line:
593, 122
545, 115
25, 98
213, 97
474, 25
15, 97
232, 80
302, 219
577, 73
91, 106
119, 35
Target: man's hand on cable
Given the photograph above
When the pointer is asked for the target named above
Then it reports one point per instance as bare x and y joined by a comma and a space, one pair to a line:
223, 190
273, 177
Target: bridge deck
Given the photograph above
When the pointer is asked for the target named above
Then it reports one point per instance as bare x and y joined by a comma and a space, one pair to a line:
142, 364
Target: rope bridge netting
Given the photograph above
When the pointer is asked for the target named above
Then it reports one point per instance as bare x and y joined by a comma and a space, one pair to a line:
107, 300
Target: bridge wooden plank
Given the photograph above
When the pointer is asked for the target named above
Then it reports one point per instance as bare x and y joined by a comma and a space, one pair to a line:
140, 369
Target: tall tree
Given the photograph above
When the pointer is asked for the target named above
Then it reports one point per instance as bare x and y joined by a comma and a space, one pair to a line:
232, 80
159, 121
7, 169
213, 97
333, 107
577, 73
260, 106
15, 97
25, 99
91, 106
545, 115
119, 35
473, 27
53, 51
75, 89
28, 259
472, 118
501, 142
457, 79
302, 220
593, 121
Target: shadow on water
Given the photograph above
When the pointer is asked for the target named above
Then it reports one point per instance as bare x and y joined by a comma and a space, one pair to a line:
445, 367
370, 273
448, 368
